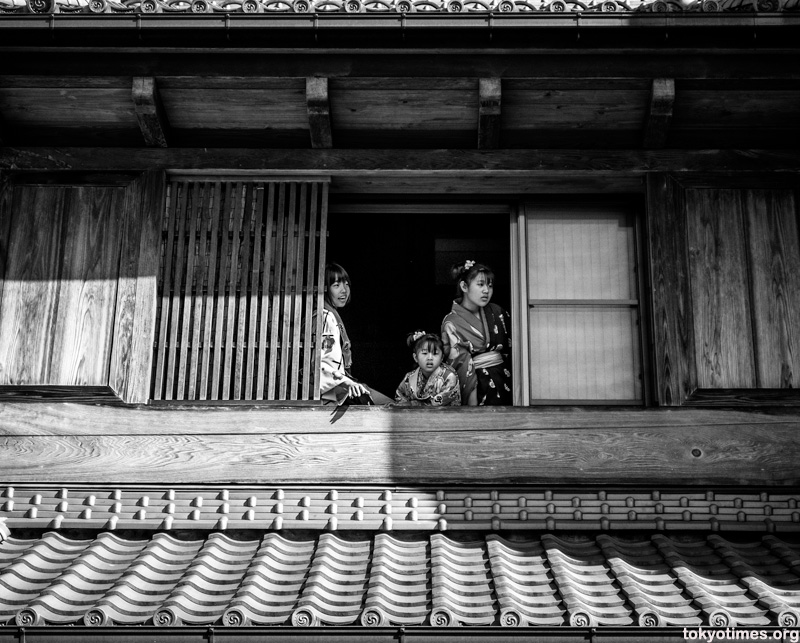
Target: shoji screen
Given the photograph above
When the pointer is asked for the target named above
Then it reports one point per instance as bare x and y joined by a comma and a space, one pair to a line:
583, 308
238, 284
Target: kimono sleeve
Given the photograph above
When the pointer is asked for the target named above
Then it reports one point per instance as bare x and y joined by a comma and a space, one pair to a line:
459, 358
449, 393
330, 363
403, 394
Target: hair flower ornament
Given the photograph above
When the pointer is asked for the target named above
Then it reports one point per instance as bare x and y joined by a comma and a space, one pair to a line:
418, 334
468, 264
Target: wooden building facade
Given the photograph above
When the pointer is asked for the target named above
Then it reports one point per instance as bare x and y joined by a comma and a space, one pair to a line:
174, 176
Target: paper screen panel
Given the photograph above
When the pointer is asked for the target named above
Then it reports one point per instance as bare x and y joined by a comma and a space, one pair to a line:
581, 256
584, 353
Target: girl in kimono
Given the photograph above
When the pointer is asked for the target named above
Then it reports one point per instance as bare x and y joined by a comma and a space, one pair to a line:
337, 385
432, 383
477, 338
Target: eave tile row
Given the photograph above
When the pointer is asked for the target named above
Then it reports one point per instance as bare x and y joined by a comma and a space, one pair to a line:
370, 510
399, 579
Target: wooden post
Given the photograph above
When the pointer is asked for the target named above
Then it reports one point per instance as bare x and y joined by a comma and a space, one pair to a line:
150, 112
319, 113
489, 97
659, 116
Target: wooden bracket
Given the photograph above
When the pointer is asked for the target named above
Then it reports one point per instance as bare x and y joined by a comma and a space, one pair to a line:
319, 113
150, 112
489, 96
659, 116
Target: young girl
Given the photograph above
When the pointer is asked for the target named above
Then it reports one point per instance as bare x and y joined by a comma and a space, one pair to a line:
431, 383
337, 385
477, 338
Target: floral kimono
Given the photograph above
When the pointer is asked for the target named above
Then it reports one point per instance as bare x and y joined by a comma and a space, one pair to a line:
479, 352
440, 389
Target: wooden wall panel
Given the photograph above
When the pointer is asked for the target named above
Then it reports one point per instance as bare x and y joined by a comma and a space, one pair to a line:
673, 323
719, 289
53, 443
134, 324
774, 253
6, 194
87, 288
30, 292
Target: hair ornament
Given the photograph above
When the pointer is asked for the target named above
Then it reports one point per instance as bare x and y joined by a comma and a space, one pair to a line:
417, 335
468, 264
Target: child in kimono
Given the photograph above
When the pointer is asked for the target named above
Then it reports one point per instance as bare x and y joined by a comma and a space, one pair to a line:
477, 338
432, 383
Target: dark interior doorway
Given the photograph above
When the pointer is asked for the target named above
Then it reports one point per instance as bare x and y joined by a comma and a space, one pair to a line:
398, 264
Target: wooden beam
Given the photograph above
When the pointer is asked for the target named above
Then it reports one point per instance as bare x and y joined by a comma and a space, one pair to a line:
659, 116
489, 106
251, 444
319, 113
407, 163
150, 112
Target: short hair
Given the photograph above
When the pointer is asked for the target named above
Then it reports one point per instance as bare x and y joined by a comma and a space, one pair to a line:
333, 273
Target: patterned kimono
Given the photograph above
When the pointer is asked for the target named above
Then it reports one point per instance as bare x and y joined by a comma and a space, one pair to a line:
440, 389
479, 352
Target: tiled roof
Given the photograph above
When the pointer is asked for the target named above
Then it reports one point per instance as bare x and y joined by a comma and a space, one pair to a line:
371, 509
402, 578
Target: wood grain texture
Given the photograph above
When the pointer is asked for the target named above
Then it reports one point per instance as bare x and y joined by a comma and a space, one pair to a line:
6, 216
319, 113
719, 289
672, 318
722, 454
30, 290
450, 163
774, 260
490, 95
150, 113
82, 333
48, 419
659, 115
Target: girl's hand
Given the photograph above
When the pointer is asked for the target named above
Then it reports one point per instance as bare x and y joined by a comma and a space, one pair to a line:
356, 390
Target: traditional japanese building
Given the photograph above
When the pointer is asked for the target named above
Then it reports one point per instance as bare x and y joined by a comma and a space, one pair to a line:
174, 176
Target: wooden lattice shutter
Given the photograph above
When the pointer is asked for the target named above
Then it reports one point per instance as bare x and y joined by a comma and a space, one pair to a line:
240, 267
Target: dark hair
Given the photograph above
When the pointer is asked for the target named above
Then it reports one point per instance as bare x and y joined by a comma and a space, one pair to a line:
333, 273
467, 271
420, 339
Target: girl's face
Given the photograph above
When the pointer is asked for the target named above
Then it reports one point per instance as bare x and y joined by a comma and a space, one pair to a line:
428, 357
339, 293
478, 292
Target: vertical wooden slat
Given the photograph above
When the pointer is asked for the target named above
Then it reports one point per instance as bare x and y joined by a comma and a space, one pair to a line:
221, 290
720, 294
774, 253
264, 306
672, 319
298, 295
231, 299
190, 240
167, 270
323, 233
30, 301
6, 215
287, 286
243, 298
214, 213
276, 293
310, 294
175, 296
253, 294
199, 237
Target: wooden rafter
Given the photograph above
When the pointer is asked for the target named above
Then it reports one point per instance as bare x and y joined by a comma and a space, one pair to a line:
319, 113
150, 112
659, 116
490, 95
